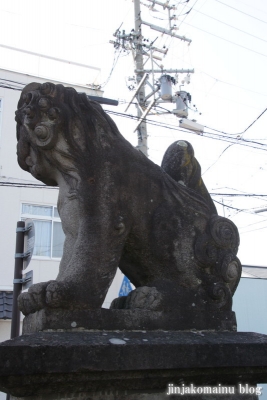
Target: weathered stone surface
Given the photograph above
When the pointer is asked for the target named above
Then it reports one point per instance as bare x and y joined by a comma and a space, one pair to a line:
128, 395
119, 209
53, 364
136, 319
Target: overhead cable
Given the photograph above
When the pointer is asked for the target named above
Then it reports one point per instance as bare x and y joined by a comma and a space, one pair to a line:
227, 40
238, 194
232, 84
231, 26
40, 186
209, 135
241, 133
242, 12
26, 185
218, 158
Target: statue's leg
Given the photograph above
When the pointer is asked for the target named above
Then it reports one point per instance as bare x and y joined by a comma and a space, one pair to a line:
84, 282
35, 298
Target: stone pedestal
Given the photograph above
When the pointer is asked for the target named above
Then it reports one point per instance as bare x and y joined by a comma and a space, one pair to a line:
138, 319
128, 365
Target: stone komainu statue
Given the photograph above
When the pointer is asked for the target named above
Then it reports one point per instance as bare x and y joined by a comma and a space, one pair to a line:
118, 209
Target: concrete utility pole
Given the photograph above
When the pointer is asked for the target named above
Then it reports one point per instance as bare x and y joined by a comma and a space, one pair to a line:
135, 42
139, 67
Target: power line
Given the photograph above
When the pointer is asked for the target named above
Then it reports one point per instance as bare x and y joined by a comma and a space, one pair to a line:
253, 230
238, 194
241, 133
227, 40
254, 223
218, 158
161, 124
40, 186
249, 5
252, 123
231, 26
242, 12
26, 185
232, 84
226, 83
228, 139
187, 13
236, 190
209, 135
240, 142
234, 208
6, 86
9, 80
115, 60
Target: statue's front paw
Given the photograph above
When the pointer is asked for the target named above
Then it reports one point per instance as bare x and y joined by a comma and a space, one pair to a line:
144, 297
58, 295
33, 300
26, 303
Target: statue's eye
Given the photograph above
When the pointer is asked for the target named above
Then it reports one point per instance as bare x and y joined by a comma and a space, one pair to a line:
43, 104
44, 136
41, 132
53, 113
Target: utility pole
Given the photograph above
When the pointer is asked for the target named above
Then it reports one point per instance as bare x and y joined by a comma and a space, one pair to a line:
160, 89
139, 67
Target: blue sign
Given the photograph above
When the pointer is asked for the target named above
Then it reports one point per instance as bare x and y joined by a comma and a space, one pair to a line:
126, 287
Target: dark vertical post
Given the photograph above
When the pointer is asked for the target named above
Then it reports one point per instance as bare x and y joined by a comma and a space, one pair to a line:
15, 323
17, 287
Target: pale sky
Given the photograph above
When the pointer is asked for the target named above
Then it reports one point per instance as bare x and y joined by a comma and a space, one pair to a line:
229, 55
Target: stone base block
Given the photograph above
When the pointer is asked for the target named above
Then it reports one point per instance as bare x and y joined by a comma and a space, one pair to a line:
127, 365
137, 396
108, 319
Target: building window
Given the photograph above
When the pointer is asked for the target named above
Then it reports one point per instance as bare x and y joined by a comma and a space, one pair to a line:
49, 236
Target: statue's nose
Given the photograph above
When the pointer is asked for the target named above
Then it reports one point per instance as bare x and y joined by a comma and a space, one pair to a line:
29, 111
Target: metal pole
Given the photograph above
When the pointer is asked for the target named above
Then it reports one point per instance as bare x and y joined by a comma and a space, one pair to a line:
15, 323
17, 287
142, 130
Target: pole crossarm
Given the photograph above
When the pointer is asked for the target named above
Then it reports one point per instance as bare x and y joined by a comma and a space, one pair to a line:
148, 46
171, 71
166, 31
164, 5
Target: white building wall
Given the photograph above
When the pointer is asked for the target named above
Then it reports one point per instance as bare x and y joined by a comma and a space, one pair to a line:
250, 306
